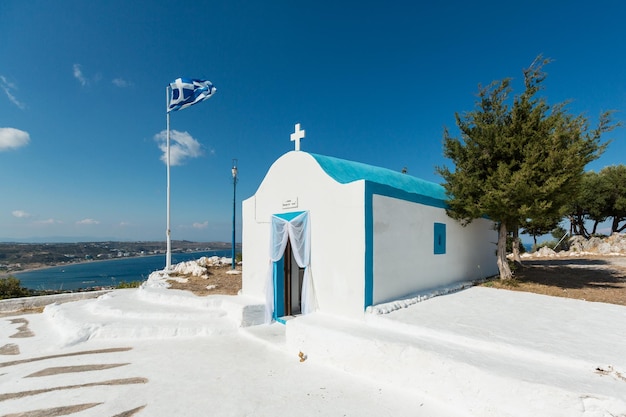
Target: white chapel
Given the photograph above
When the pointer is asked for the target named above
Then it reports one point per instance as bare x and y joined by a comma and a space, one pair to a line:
337, 236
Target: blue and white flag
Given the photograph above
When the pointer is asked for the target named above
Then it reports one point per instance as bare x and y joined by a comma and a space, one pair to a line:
185, 92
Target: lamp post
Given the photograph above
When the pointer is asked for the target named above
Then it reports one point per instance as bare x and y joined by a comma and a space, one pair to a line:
234, 172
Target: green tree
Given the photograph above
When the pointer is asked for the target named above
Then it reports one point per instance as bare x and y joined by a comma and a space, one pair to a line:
517, 161
601, 196
615, 195
539, 226
11, 287
590, 203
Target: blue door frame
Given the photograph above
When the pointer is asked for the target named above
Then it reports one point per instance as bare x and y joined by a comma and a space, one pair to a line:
279, 276
279, 289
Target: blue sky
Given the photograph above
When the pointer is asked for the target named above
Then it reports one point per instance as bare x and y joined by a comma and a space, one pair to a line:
82, 96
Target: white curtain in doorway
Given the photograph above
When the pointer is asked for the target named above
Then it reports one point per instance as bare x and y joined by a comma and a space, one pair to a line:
298, 232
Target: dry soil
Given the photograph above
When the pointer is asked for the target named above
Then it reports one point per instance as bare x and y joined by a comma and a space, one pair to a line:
592, 278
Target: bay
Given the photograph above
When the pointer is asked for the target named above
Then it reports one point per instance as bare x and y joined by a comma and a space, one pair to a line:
108, 273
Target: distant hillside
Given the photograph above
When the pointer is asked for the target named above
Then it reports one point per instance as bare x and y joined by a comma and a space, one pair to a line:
20, 256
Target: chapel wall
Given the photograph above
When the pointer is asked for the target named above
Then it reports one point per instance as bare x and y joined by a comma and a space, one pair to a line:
404, 258
295, 182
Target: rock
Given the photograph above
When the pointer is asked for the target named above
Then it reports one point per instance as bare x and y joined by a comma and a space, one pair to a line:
546, 251
603, 248
213, 261
618, 242
593, 243
190, 268
577, 244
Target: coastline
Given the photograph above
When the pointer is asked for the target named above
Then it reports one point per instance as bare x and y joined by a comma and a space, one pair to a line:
18, 257
82, 262
88, 261
100, 274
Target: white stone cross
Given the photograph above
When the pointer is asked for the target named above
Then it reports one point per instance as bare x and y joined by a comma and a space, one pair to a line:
297, 135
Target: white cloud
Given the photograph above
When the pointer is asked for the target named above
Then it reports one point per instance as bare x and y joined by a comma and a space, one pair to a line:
87, 221
49, 221
78, 74
21, 214
122, 83
11, 138
182, 146
8, 89
201, 225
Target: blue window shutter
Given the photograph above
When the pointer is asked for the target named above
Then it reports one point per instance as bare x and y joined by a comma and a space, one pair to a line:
440, 239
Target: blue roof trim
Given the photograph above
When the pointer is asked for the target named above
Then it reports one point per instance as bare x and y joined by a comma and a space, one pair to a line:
345, 172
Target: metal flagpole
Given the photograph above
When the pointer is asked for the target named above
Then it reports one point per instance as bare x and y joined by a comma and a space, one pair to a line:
234, 172
189, 92
168, 255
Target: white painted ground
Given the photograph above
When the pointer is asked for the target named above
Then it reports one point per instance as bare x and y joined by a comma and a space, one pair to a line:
478, 352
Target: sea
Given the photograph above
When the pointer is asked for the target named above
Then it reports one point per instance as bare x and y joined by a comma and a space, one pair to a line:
108, 273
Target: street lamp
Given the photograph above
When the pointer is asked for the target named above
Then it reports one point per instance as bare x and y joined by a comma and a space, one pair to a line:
234, 172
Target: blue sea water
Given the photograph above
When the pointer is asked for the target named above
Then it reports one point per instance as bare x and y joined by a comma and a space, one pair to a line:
104, 273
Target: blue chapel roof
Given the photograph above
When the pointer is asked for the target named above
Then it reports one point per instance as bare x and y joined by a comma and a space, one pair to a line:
344, 172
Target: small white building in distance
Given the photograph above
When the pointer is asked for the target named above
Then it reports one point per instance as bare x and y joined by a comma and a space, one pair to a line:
330, 235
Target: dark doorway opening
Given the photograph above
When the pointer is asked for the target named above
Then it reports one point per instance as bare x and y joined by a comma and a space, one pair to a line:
294, 276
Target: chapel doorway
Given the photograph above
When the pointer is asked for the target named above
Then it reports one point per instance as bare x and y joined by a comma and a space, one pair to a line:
293, 279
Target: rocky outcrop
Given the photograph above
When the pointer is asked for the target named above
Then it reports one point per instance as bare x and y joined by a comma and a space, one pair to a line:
614, 245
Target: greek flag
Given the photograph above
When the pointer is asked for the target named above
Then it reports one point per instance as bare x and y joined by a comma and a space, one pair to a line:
185, 92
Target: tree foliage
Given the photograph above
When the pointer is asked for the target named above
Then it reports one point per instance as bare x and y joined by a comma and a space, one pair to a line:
517, 159
602, 196
616, 177
539, 226
11, 287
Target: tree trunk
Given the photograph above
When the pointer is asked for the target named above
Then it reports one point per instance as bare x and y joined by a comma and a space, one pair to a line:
615, 225
578, 223
573, 222
515, 245
582, 230
503, 264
